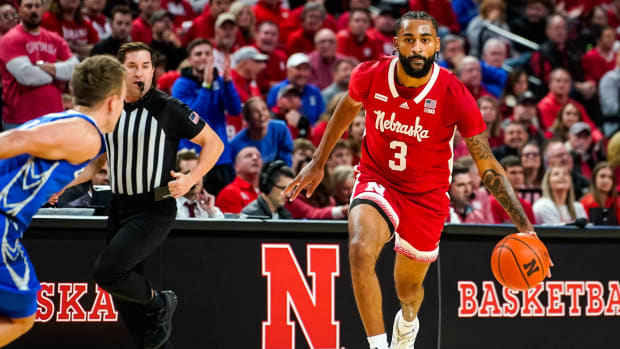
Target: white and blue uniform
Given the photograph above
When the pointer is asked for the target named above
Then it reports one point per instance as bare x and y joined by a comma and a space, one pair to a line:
26, 183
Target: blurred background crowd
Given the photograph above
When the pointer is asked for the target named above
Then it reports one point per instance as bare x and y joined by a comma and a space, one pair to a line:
266, 75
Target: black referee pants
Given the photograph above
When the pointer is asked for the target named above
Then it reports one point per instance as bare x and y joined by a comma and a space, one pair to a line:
137, 226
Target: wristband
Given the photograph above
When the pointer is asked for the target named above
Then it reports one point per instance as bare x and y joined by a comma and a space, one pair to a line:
205, 85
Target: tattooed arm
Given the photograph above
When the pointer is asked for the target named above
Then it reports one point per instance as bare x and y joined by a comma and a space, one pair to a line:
495, 180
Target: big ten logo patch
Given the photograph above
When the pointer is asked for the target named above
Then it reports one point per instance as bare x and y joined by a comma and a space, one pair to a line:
288, 289
70, 308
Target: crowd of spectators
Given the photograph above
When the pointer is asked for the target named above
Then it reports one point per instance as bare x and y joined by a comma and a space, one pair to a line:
266, 75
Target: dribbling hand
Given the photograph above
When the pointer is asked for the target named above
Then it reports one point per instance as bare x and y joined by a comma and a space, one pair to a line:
308, 178
54, 199
550, 261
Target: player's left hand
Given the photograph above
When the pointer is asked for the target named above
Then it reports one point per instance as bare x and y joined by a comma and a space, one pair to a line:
181, 185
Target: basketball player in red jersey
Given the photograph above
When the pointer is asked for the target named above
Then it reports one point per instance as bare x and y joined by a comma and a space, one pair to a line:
413, 108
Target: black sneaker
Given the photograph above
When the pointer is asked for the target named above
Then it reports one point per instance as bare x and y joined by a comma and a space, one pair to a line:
159, 327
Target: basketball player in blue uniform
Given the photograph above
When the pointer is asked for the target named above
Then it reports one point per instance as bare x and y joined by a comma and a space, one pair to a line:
37, 160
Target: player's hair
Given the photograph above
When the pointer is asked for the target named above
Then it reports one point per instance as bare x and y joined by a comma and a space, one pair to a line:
122, 9
598, 196
313, 6
133, 47
510, 161
185, 155
548, 193
303, 144
199, 41
421, 15
96, 78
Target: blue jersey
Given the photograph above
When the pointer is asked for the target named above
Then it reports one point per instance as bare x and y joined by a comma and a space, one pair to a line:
28, 182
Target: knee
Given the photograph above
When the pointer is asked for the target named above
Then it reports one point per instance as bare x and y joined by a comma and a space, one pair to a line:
362, 254
409, 292
104, 273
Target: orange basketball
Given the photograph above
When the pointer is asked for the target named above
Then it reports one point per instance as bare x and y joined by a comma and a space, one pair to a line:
520, 261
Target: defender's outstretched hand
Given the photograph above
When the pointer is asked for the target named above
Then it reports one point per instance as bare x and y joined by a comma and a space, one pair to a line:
308, 178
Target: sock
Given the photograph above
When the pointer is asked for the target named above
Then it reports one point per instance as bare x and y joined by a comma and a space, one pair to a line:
405, 326
157, 302
378, 342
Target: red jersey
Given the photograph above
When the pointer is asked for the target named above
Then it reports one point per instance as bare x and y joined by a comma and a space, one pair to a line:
363, 51
203, 26
408, 141
71, 31
23, 103
300, 41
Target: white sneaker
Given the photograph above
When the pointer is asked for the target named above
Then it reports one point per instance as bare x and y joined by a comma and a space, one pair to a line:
403, 341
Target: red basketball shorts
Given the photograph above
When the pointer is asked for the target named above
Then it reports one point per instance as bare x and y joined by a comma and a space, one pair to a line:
416, 220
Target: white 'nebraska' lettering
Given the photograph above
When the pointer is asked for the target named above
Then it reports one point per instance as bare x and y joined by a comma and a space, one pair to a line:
416, 131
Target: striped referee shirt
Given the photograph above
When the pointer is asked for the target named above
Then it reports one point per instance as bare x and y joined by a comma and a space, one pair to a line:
142, 148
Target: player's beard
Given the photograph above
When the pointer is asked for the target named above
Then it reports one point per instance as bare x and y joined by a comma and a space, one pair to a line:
413, 72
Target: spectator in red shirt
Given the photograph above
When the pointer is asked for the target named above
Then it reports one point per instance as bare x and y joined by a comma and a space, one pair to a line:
343, 19
244, 188
181, 11
294, 19
245, 22
247, 63
271, 10
65, 18
383, 31
514, 173
266, 41
470, 73
203, 25
603, 193
141, 27
602, 58
550, 105
442, 11
324, 58
302, 39
34, 64
93, 12
354, 41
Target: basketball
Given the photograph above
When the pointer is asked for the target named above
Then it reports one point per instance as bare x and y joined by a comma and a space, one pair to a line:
520, 261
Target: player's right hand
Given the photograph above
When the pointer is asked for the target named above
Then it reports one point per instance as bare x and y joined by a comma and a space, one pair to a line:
308, 178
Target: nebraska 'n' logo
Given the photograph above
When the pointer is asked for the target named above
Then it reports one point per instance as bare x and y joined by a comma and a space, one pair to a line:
287, 289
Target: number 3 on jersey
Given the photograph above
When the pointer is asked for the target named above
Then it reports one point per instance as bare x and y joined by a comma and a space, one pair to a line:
401, 153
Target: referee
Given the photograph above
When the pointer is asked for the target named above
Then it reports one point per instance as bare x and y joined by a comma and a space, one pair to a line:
141, 153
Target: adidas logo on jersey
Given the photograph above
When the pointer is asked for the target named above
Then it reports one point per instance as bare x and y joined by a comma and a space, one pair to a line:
404, 105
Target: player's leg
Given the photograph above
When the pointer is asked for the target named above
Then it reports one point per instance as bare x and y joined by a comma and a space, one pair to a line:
409, 275
368, 233
13, 328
